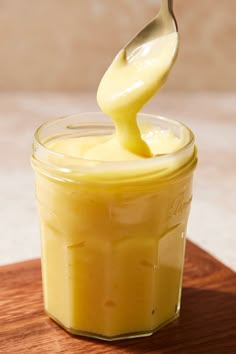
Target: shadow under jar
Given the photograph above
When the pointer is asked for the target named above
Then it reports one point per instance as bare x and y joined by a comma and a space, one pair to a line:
112, 233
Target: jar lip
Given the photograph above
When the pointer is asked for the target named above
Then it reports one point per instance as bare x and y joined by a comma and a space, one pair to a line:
88, 163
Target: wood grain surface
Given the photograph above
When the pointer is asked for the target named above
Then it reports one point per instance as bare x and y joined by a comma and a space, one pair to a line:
207, 323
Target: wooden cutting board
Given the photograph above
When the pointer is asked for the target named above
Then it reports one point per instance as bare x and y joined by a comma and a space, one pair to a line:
207, 323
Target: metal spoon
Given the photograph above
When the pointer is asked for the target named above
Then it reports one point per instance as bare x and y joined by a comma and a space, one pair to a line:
164, 23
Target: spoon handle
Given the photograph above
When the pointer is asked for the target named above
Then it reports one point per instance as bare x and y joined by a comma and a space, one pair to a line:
167, 5
167, 10
170, 5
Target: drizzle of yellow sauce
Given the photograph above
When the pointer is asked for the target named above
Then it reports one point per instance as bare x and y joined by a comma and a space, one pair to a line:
128, 85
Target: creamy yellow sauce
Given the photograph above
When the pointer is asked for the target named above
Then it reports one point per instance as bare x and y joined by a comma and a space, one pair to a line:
129, 84
108, 148
112, 256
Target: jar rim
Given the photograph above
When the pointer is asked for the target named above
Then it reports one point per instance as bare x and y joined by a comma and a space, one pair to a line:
40, 150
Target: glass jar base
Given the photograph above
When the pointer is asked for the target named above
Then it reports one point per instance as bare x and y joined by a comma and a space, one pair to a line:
116, 337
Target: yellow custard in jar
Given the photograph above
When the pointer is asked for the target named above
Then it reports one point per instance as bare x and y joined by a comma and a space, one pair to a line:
113, 232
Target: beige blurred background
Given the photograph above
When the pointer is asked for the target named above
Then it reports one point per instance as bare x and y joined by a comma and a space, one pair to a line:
67, 44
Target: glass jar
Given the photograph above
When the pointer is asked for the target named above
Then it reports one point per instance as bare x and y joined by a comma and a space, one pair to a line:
112, 233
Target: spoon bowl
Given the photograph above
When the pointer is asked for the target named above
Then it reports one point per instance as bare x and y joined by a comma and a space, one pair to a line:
164, 23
